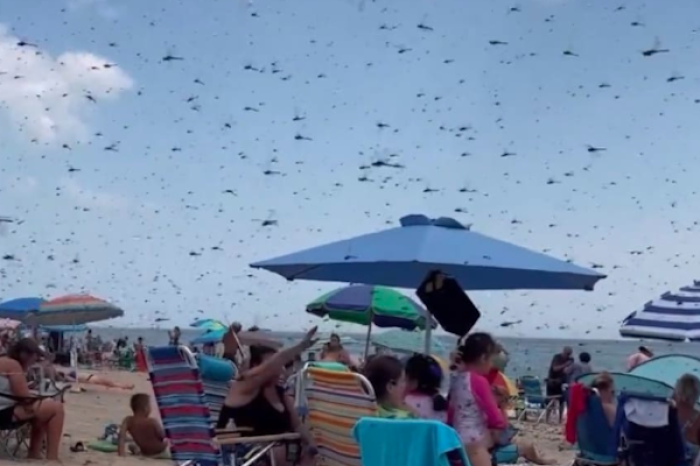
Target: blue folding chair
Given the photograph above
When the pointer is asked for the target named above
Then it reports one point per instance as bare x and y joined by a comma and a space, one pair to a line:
595, 436
533, 399
643, 443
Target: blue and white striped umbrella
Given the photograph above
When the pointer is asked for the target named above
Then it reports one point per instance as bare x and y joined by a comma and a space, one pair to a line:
674, 316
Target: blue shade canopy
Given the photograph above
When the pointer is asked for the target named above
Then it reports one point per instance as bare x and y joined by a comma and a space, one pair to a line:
402, 341
17, 309
403, 256
674, 316
668, 368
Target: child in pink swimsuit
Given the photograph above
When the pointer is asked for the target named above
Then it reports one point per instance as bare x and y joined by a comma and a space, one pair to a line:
473, 411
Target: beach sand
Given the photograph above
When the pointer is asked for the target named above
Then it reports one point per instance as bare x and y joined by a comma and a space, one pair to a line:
87, 414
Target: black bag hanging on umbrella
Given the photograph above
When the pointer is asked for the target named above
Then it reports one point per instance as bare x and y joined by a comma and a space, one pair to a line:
448, 303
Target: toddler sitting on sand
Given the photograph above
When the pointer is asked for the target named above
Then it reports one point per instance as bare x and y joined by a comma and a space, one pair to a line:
147, 433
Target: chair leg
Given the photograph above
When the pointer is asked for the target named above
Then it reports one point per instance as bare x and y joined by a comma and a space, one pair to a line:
262, 452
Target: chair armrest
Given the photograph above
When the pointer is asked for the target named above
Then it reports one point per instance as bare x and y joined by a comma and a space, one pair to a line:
260, 439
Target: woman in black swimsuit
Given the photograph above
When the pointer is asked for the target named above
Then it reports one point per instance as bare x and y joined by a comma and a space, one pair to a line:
257, 401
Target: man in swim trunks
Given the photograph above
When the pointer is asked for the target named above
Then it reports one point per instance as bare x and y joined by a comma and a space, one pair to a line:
146, 432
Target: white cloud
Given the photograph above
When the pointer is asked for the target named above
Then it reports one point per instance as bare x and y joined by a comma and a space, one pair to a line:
47, 98
25, 185
103, 7
91, 199
101, 200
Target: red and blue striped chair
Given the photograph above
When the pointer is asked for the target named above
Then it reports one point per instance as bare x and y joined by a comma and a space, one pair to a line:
182, 402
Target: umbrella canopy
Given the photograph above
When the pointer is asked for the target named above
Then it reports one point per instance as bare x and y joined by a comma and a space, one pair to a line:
73, 310
366, 305
209, 325
64, 328
402, 341
674, 316
17, 309
404, 256
245, 338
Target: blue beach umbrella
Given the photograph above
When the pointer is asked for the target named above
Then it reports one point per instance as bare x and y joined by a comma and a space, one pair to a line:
403, 256
674, 316
18, 309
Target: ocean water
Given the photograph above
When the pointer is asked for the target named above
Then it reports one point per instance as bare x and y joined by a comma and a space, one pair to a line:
528, 356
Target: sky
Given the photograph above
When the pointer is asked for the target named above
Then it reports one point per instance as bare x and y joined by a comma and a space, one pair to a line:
149, 151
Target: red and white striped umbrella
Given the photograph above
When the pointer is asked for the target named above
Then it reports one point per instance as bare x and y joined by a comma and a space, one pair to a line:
74, 309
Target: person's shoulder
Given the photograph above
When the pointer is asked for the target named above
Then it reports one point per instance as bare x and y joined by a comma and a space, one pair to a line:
128, 421
8, 364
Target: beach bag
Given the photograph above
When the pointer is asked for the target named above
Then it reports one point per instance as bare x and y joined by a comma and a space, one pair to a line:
444, 298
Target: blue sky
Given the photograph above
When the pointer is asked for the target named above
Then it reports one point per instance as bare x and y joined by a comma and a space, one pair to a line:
116, 163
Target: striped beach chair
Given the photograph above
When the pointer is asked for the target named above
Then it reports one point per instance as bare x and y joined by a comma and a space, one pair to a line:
179, 393
186, 418
336, 400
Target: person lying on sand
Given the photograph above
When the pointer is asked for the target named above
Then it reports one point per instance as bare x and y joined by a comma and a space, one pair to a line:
146, 432
61, 375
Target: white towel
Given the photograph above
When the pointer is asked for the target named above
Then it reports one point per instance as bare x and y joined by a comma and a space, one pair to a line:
647, 413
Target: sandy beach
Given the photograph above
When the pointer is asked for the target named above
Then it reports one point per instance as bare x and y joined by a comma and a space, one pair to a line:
87, 414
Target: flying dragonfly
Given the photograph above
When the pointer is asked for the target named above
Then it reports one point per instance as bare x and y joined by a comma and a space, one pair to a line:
270, 221
655, 49
4, 221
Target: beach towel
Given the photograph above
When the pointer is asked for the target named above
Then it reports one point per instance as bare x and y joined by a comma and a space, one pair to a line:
215, 369
577, 405
647, 413
643, 445
383, 442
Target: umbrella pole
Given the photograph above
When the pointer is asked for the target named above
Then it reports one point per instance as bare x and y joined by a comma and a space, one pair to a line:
369, 335
428, 335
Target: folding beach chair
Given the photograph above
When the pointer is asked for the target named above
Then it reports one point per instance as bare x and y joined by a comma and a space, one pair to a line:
595, 437
295, 381
649, 432
336, 400
14, 436
533, 399
385, 442
179, 393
